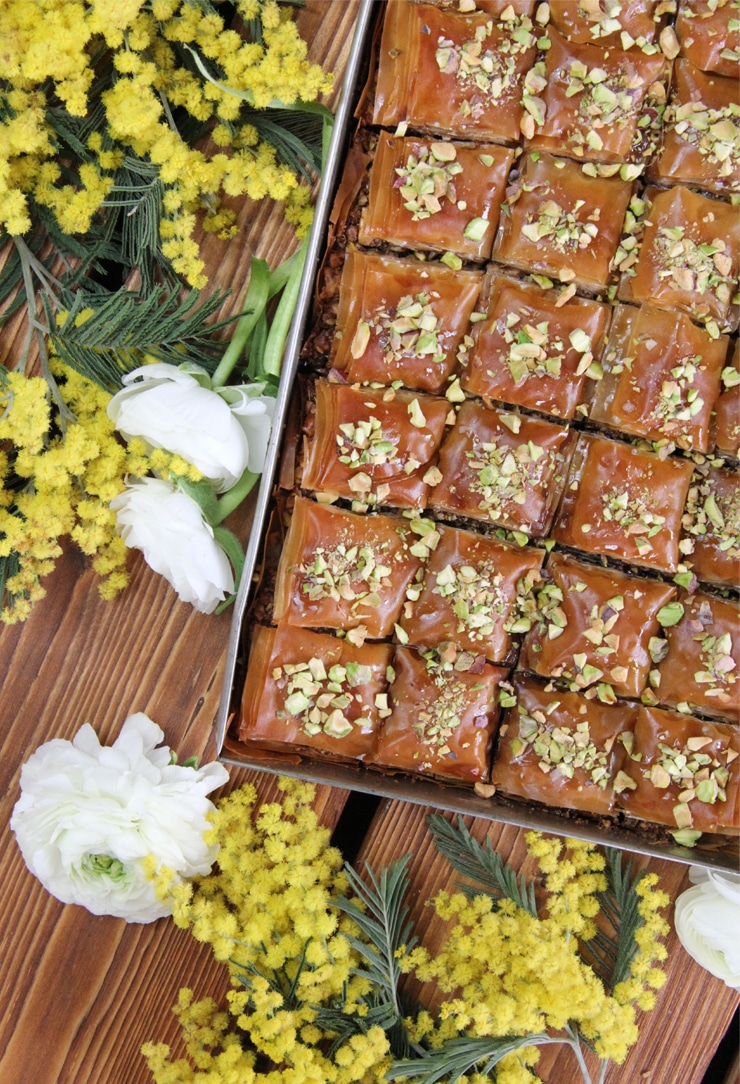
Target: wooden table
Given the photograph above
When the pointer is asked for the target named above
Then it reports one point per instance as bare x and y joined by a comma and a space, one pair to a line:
80, 994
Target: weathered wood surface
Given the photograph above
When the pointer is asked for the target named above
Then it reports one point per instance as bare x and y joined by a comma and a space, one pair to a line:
80, 994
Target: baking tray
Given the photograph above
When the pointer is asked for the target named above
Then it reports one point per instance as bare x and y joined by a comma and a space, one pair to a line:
719, 852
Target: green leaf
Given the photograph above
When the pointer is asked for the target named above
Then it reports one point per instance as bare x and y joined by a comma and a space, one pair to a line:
458, 1056
386, 926
200, 492
231, 546
611, 952
480, 863
124, 328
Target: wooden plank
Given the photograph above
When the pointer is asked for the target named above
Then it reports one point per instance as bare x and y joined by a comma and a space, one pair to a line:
694, 1009
80, 994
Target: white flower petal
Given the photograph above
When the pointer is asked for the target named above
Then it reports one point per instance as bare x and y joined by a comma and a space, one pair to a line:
707, 920
168, 527
89, 815
169, 409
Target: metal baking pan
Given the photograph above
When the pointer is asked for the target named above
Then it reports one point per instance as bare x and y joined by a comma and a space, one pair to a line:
721, 852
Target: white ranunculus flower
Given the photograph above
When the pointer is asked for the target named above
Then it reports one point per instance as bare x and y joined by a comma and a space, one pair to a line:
90, 816
170, 408
707, 920
170, 530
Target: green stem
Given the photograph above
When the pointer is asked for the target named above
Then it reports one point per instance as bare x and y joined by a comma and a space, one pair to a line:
257, 297
41, 331
575, 1044
234, 497
283, 316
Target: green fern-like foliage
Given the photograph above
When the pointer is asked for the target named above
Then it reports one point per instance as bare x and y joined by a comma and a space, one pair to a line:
123, 329
480, 863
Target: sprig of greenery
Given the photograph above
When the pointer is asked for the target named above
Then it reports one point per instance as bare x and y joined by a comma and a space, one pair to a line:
120, 330
480, 863
383, 918
612, 950
458, 1056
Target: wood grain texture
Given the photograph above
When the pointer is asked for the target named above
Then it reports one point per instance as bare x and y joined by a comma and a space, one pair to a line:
693, 1012
80, 994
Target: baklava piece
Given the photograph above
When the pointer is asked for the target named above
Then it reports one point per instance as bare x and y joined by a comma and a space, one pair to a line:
402, 320
689, 257
698, 670
470, 593
726, 429
371, 447
661, 377
621, 23
557, 221
560, 749
701, 139
502, 468
538, 348
709, 33
595, 104
712, 524
623, 503
595, 629
443, 714
453, 75
435, 196
310, 690
682, 773
339, 570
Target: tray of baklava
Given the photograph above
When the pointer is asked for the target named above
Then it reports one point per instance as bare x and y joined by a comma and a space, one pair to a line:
496, 564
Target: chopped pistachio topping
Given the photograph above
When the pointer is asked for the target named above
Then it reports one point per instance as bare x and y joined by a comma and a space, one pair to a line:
535, 351
409, 329
694, 267
503, 475
719, 673
562, 229
602, 16
427, 537
630, 510
713, 516
348, 571
425, 181
537, 603
714, 133
608, 101
476, 597
562, 748
700, 774
678, 401
321, 698
439, 715
485, 75
603, 641
365, 444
